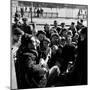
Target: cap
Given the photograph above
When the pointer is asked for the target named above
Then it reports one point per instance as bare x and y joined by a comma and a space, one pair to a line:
54, 34
41, 32
72, 23
47, 39
32, 53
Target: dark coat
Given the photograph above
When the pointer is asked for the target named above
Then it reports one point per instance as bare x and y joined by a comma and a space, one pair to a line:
26, 28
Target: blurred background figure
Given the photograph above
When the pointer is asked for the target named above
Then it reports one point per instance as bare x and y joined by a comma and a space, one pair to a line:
25, 27
56, 26
22, 12
47, 30
73, 28
63, 30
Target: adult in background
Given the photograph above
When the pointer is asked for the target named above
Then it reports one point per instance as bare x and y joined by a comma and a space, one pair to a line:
22, 12
38, 12
78, 27
17, 23
25, 27
17, 14
73, 28
29, 73
41, 12
63, 30
56, 26
81, 23
47, 30
82, 58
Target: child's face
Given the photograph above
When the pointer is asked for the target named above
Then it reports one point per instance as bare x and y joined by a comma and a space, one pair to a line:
69, 40
45, 44
53, 49
41, 37
54, 38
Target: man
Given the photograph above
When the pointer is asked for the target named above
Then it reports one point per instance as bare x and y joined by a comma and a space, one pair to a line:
63, 30
82, 57
25, 27
16, 35
29, 73
78, 27
17, 24
73, 28
17, 14
56, 26
38, 12
47, 30
41, 12
81, 23
22, 12
68, 55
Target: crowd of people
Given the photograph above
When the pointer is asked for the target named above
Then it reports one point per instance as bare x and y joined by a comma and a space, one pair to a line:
42, 58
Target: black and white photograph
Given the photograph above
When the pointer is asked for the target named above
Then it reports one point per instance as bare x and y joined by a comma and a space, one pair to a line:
49, 44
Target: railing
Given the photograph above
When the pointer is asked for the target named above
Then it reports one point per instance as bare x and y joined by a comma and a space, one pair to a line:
50, 15
44, 14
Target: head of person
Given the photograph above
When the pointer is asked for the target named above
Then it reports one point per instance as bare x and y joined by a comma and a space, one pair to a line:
69, 33
46, 42
54, 48
76, 36
63, 41
55, 23
53, 30
78, 23
41, 35
16, 35
63, 25
46, 27
24, 20
72, 24
54, 38
28, 42
81, 21
64, 32
69, 40
16, 19
83, 33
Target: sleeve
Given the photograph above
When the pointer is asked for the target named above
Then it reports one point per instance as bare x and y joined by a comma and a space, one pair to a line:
33, 66
29, 30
